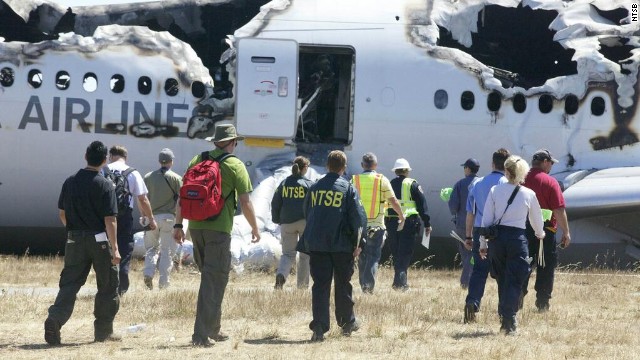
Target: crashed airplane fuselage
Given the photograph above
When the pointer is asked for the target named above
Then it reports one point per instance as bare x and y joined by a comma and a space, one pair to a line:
563, 77
434, 82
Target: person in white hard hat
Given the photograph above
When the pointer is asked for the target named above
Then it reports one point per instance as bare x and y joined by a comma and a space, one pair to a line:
414, 206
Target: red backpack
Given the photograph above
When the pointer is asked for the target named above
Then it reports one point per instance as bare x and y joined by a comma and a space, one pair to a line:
201, 192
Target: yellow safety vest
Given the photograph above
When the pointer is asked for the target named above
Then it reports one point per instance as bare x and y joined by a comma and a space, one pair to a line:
406, 202
369, 187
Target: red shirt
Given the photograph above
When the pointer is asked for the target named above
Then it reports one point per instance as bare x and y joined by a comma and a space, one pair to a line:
547, 191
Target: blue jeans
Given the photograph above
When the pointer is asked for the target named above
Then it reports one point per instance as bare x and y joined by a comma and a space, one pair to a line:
369, 258
465, 259
479, 274
508, 254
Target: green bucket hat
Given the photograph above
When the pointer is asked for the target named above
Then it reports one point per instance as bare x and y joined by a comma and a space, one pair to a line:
224, 132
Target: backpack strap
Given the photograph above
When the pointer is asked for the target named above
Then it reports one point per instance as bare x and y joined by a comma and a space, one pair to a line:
128, 171
220, 159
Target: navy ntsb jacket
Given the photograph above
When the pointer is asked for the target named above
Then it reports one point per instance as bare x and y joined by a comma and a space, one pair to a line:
335, 217
287, 201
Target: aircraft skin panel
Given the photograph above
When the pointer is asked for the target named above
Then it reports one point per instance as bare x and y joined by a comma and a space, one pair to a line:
608, 191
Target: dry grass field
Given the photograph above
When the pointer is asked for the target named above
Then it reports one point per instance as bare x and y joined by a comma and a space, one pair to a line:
595, 315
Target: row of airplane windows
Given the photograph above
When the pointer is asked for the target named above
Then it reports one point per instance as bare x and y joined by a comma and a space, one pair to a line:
90, 82
494, 102
441, 97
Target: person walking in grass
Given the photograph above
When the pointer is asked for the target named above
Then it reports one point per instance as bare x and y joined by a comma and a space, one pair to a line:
510, 206
333, 239
286, 210
88, 209
212, 238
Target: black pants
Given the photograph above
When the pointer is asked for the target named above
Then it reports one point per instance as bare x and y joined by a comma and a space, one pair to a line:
82, 251
325, 266
125, 247
545, 275
402, 244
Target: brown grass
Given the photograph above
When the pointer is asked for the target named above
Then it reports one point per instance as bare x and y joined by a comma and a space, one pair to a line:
595, 314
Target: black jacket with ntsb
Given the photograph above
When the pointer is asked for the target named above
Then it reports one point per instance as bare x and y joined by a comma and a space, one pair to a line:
287, 202
335, 217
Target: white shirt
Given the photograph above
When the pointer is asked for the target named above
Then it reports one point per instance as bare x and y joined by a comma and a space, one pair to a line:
524, 205
137, 186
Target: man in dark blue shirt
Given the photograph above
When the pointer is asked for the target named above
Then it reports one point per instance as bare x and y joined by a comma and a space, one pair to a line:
458, 208
332, 238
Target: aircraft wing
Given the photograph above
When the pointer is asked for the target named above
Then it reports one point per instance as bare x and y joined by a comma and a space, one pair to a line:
602, 192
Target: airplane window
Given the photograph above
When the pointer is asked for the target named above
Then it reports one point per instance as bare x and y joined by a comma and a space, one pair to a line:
90, 82
171, 87
467, 100
597, 106
63, 80
7, 75
34, 78
545, 103
117, 83
519, 103
441, 99
197, 89
144, 85
571, 104
494, 101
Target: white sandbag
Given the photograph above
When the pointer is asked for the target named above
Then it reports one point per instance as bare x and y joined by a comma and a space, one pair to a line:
263, 255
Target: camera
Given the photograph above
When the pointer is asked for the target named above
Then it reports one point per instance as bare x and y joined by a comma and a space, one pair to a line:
489, 232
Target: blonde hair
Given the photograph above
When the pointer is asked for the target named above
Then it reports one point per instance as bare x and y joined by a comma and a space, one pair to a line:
517, 169
299, 163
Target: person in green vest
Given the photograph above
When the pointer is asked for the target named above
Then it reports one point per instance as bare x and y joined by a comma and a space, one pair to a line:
376, 194
414, 207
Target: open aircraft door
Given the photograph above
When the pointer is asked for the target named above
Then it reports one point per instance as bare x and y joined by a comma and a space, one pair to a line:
267, 88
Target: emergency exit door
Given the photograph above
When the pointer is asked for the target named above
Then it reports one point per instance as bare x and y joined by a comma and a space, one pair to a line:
267, 88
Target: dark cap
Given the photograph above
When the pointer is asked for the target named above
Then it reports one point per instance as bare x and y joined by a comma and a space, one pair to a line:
544, 154
472, 164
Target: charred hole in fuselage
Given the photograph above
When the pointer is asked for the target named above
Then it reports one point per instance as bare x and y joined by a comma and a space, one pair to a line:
518, 44
616, 49
615, 16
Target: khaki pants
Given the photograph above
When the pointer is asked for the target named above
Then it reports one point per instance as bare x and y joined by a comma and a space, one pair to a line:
211, 250
290, 235
160, 249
